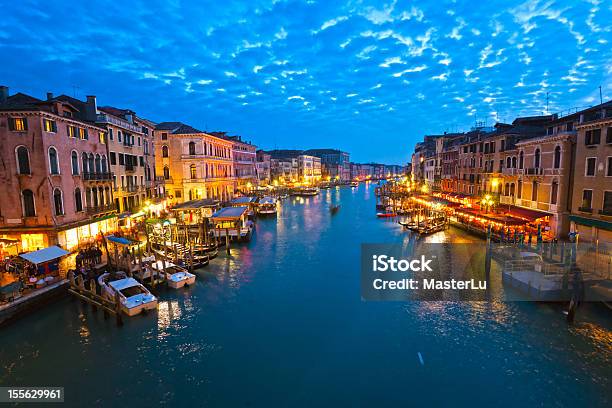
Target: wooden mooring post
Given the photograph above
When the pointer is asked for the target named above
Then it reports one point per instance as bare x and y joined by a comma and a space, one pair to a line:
90, 295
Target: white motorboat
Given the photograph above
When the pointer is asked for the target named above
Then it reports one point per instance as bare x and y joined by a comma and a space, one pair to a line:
267, 205
176, 276
133, 296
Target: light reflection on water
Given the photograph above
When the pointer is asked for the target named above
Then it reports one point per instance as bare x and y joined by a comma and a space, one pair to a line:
284, 313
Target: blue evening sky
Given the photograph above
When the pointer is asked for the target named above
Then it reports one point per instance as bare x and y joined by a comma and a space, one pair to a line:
368, 77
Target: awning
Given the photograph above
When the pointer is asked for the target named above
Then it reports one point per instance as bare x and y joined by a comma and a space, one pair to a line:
120, 240
229, 212
526, 213
591, 222
44, 255
196, 204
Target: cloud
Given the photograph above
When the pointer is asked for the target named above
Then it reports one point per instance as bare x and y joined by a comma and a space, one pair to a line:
441, 77
455, 33
413, 69
390, 61
332, 22
230, 74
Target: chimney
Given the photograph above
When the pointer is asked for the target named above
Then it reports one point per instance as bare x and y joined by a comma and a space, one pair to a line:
91, 108
49, 96
4, 93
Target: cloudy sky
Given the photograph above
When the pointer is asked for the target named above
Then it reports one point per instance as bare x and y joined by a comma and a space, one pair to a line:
368, 77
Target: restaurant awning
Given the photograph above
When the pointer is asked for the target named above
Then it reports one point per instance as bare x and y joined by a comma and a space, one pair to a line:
526, 213
44, 255
120, 240
591, 222
229, 213
196, 204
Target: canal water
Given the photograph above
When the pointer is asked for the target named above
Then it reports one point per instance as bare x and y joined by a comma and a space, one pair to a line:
280, 322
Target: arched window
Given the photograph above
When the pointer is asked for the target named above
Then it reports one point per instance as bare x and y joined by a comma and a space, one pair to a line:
557, 159
91, 163
58, 203
98, 164
507, 189
521, 160
164, 151
104, 164
192, 171
508, 163
554, 192
94, 195
53, 164
536, 159
88, 197
192, 148
84, 162
166, 173
514, 162
74, 161
512, 189
534, 191
78, 200
23, 160
519, 192
28, 203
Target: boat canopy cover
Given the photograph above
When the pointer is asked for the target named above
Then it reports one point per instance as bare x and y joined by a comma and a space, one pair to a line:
230, 212
267, 200
123, 283
44, 255
120, 240
243, 200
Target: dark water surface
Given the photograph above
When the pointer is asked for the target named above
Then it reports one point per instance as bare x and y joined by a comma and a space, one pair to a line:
281, 322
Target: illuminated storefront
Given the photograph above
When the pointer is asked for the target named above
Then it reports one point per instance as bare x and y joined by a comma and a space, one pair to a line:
85, 234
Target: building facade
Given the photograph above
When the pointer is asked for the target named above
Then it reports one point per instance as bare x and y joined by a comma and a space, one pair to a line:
263, 167
56, 179
335, 164
194, 164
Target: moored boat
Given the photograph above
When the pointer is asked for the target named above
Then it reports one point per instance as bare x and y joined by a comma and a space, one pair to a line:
176, 276
133, 296
267, 206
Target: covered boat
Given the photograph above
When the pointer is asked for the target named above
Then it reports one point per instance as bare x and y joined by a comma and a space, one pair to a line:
176, 276
133, 296
267, 206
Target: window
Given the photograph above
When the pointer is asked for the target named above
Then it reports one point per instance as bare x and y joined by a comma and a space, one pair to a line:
110, 133
166, 173
23, 160
164, 136
178, 193
72, 131
53, 165
536, 159
18, 124
119, 136
104, 164
84, 162
609, 135
98, 164
90, 163
164, 151
554, 192
28, 203
521, 159
590, 166
113, 158
74, 160
534, 191
141, 161
557, 157
587, 200
58, 204
192, 171
78, 200
83, 134
569, 126
192, 150
519, 192
121, 159
592, 137
49, 125
102, 137
550, 130
609, 170
607, 203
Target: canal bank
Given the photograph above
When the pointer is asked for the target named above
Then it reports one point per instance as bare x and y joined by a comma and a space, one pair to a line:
280, 322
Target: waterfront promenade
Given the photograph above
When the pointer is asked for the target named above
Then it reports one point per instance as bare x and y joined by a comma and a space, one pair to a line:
280, 322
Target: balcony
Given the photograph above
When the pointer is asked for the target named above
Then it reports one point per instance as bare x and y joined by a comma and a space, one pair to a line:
534, 171
585, 210
97, 176
130, 189
100, 209
130, 168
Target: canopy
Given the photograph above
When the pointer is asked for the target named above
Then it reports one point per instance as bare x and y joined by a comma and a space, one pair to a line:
526, 213
44, 255
230, 212
591, 222
243, 200
196, 204
120, 240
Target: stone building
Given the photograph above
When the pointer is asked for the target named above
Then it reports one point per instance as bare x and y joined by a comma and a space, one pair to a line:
194, 164
56, 180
